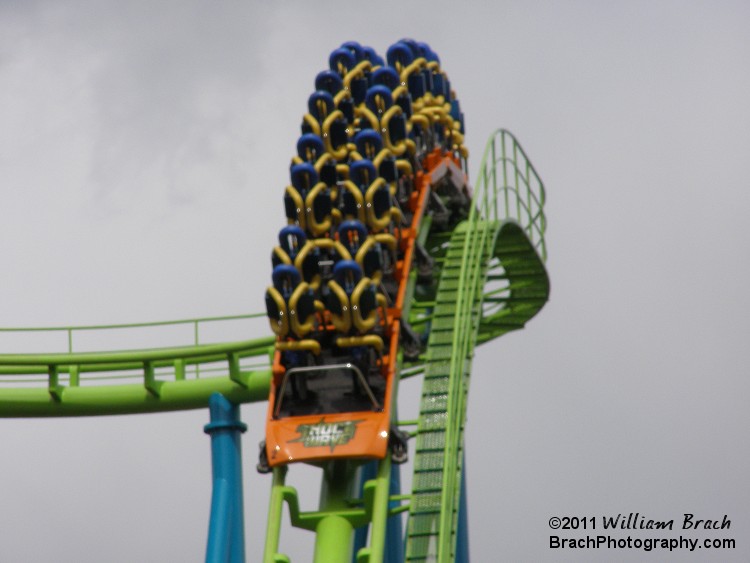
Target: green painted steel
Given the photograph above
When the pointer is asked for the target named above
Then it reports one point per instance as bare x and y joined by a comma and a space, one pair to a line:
492, 280
71, 333
334, 532
338, 515
516, 284
438, 448
73, 383
273, 521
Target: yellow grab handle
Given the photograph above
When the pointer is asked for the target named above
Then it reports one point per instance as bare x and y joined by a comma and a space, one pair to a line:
299, 204
342, 322
280, 326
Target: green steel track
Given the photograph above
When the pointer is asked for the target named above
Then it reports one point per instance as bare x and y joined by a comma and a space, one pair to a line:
74, 383
492, 280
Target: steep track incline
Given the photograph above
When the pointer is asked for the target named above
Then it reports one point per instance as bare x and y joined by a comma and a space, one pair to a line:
493, 281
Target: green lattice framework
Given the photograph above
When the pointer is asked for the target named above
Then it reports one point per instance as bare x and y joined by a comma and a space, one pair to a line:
492, 280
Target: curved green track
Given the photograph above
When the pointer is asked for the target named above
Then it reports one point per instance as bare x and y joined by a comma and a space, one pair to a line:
75, 383
492, 280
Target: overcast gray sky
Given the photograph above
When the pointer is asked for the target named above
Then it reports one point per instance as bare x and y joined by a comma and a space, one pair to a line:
143, 154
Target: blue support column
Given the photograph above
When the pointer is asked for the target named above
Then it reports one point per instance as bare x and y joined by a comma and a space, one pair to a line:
226, 530
394, 550
462, 533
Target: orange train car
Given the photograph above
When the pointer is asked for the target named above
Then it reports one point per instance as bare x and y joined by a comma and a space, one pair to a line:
343, 412
359, 193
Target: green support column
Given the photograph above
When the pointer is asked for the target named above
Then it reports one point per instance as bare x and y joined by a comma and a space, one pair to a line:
334, 534
275, 509
333, 540
380, 511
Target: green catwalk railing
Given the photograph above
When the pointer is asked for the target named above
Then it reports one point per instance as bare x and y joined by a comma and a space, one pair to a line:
491, 280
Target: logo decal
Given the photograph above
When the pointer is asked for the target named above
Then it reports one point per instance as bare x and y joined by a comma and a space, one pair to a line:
326, 433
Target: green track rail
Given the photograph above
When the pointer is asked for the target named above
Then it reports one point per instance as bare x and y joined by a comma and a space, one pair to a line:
75, 383
492, 281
